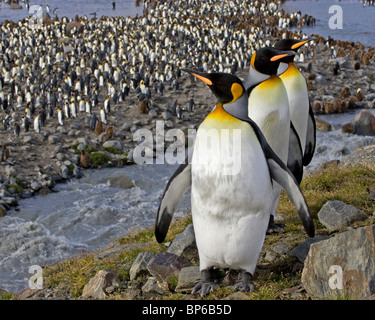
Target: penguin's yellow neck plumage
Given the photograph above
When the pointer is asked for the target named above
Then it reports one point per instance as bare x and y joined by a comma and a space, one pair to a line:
274, 80
220, 114
292, 71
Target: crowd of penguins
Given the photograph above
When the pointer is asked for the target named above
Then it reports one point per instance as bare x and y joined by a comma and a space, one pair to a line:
65, 68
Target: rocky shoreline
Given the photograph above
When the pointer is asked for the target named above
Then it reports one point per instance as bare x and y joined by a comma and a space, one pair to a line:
334, 70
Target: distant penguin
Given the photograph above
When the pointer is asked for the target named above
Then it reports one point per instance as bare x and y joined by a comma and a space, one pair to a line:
191, 105
17, 129
37, 124
103, 116
60, 116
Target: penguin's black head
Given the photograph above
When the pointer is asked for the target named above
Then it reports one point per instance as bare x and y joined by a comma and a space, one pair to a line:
225, 86
290, 44
267, 60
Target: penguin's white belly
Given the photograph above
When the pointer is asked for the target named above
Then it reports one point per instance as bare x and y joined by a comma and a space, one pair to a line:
230, 211
269, 108
298, 105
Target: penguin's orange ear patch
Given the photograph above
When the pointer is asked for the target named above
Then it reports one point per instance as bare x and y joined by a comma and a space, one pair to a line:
237, 91
299, 44
205, 80
278, 57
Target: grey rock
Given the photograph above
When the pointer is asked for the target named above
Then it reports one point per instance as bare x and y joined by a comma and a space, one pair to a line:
166, 115
301, 251
27, 139
153, 113
10, 171
139, 265
36, 185
60, 156
184, 242
113, 144
166, 265
97, 287
53, 139
64, 172
188, 278
120, 182
152, 286
364, 123
126, 126
82, 140
343, 265
335, 215
280, 248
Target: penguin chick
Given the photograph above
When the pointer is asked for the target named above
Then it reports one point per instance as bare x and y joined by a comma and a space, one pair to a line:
85, 159
98, 127
143, 106
109, 132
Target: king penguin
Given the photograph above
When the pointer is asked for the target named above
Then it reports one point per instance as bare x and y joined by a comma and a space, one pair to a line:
303, 128
231, 172
268, 107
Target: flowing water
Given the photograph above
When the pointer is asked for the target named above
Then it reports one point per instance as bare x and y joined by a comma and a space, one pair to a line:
357, 19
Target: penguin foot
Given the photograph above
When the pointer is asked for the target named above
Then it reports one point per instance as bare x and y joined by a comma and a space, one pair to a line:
274, 227
206, 284
244, 282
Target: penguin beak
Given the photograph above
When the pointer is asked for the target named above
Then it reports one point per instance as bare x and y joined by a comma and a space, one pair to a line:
199, 76
283, 55
301, 43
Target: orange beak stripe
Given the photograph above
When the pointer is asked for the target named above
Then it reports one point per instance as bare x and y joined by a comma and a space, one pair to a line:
280, 56
299, 44
205, 80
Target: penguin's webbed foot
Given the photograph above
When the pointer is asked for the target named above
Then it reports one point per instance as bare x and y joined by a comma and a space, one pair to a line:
244, 282
274, 227
206, 284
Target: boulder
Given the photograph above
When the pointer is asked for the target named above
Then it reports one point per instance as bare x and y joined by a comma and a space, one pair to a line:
364, 123
342, 266
139, 265
113, 144
335, 215
166, 265
152, 286
100, 284
301, 251
120, 182
361, 156
188, 278
184, 244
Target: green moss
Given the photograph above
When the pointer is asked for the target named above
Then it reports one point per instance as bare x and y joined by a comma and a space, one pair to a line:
114, 150
88, 149
99, 158
6, 295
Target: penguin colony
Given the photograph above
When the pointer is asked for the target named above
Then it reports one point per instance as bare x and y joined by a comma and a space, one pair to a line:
65, 69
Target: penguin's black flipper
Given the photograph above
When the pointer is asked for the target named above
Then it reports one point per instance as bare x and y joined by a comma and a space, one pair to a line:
283, 176
295, 154
175, 189
310, 138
